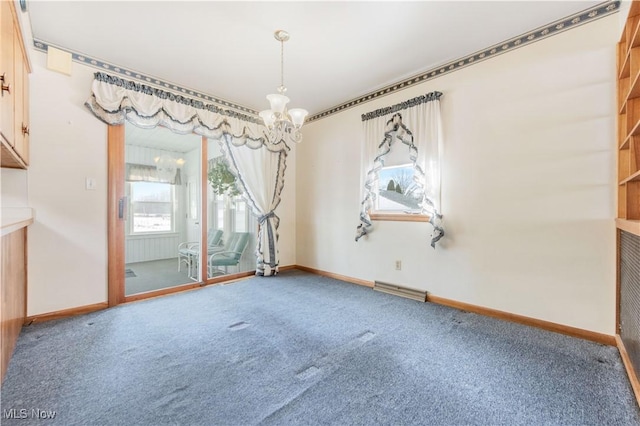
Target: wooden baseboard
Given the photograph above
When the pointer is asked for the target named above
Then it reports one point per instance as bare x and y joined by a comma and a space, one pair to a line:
225, 279
580, 333
65, 313
162, 292
520, 319
631, 372
287, 268
351, 280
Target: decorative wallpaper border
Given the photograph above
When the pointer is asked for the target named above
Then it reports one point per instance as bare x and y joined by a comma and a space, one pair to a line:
43, 46
589, 15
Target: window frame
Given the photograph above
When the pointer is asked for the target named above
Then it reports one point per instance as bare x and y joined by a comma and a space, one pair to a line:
381, 215
395, 215
229, 206
131, 202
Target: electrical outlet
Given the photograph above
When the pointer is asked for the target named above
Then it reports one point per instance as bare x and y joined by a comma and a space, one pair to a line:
398, 265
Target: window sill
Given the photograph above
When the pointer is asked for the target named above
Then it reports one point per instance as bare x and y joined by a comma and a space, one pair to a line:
399, 217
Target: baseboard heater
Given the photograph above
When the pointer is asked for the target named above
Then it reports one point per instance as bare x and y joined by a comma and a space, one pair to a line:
629, 270
397, 290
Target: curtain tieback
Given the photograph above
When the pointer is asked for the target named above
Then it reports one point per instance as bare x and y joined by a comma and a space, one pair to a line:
262, 219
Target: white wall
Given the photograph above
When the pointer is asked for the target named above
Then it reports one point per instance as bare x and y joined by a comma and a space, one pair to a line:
528, 187
13, 188
68, 240
625, 7
287, 213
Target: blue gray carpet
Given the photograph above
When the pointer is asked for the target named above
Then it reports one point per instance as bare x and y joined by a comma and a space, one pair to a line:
299, 349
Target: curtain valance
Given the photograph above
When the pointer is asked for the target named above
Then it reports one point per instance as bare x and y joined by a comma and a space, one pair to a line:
114, 99
418, 100
144, 173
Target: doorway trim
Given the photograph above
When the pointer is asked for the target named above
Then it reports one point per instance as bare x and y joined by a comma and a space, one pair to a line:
115, 220
117, 214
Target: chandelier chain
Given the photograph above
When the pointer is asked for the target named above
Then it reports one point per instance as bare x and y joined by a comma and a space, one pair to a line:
282, 64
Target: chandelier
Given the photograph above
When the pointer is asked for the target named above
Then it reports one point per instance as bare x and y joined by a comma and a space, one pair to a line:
167, 167
279, 121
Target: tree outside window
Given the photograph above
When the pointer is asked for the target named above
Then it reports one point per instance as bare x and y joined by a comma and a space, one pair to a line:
398, 191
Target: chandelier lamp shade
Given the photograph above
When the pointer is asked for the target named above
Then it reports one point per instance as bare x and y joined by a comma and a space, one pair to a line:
282, 122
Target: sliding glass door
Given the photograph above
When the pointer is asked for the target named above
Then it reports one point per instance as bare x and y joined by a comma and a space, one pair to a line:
162, 191
158, 221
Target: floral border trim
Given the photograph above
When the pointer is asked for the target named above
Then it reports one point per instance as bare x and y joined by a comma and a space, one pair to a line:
43, 46
589, 15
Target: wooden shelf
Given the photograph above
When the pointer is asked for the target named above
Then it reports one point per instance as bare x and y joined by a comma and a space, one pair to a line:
631, 226
634, 90
628, 135
625, 68
625, 143
633, 178
634, 41
634, 132
628, 154
623, 92
634, 9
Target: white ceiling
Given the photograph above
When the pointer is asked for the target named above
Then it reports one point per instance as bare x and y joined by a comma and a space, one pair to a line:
338, 50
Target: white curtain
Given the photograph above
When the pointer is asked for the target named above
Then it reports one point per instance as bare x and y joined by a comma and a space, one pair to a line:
260, 174
258, 164
413, 127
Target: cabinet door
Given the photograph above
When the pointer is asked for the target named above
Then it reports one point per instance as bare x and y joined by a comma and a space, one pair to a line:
25, 112
13, 290
7, 46
19, 119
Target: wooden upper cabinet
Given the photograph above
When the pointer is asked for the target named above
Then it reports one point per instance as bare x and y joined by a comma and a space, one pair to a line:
14, 102
26, 123
20, 119
7, 34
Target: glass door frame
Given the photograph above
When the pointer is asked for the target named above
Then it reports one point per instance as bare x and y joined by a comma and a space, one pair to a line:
116, 220
117, 216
